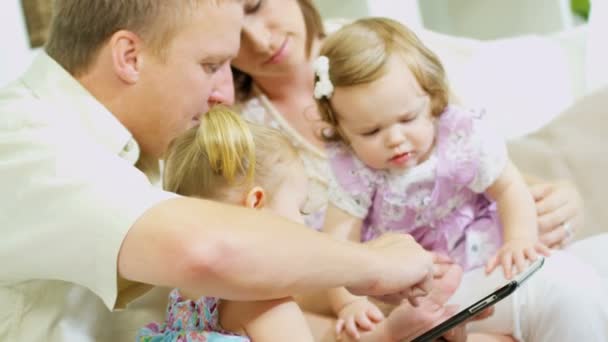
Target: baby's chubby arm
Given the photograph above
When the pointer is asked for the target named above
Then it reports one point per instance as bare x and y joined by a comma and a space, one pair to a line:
518, 217
343, 226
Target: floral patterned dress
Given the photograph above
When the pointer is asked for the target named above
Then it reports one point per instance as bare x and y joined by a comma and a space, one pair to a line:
189, 321
440, 202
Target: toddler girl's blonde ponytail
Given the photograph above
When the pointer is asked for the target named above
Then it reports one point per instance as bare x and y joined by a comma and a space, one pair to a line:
226, 154
227, 142
219, 153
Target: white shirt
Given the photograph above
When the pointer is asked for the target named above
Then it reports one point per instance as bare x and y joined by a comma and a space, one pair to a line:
70, 193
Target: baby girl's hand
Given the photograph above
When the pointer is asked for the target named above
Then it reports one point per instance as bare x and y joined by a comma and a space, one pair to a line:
518, 252
360, 314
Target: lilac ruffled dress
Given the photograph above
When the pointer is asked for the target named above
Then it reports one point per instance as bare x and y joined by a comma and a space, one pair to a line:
189, 321
440, 202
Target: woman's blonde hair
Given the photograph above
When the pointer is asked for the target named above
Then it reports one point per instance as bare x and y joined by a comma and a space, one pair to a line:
243, 82
359, 53
225, 153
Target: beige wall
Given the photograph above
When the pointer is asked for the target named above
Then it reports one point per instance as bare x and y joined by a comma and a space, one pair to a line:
342, 8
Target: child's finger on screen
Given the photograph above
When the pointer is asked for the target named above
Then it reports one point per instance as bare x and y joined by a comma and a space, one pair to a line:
491, 264
520, 261
530, 253
542, 249
507, 263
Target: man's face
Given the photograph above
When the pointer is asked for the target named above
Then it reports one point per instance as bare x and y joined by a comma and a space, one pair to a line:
174, 92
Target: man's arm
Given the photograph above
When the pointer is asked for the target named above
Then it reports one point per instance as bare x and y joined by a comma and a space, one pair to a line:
240, 254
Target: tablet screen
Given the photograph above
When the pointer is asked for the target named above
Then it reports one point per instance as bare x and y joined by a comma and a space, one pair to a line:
481, 304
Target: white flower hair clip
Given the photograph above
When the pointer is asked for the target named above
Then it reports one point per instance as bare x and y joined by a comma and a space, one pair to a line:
323, 87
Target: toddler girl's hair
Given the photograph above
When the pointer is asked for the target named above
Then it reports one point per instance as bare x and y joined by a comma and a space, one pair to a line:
359, 53
224, 154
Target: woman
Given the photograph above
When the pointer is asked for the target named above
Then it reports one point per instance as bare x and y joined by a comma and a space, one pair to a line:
274, 86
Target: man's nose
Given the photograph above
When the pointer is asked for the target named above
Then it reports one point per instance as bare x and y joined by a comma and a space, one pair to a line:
219, 97
223, 92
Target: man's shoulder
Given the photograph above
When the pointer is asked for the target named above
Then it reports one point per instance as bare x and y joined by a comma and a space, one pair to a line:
20, 108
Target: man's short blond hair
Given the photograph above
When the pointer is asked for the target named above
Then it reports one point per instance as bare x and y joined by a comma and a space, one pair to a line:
79, 28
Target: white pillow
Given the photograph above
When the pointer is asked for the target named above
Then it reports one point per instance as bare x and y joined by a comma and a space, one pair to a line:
597, 48
523, 82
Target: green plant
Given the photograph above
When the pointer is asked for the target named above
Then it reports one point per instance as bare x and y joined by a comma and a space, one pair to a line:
580, 7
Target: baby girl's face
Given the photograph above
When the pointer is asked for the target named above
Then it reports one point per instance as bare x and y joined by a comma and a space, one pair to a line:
387, 122
289, 198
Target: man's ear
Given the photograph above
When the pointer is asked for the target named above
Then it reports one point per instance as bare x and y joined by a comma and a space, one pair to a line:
255, 198
127, 59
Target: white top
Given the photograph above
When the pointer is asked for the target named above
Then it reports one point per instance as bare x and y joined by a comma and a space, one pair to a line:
70, 193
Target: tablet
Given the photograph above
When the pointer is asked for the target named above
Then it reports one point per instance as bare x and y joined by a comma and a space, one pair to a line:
481, 304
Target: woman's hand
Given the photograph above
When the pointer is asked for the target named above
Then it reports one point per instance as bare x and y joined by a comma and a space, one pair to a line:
360, 314
559, 207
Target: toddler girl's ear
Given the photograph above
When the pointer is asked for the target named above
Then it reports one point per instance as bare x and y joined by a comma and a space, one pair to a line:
255, 198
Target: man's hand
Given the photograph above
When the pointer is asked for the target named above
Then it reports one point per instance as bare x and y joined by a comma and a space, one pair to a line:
406, 321
405, 269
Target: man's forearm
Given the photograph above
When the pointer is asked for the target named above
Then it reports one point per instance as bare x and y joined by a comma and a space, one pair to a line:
236, 253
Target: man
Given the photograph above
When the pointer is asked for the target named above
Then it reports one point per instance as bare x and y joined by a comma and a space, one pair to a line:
85, 232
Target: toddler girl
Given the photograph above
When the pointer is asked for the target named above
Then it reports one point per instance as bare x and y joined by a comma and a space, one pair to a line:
404, 159
228, 160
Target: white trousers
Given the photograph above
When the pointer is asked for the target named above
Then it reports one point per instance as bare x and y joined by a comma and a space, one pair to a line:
566, 300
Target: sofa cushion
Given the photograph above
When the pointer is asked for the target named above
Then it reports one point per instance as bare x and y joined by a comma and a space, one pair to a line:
573, 146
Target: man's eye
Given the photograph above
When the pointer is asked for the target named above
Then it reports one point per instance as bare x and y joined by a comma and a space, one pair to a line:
211, 68
304, 212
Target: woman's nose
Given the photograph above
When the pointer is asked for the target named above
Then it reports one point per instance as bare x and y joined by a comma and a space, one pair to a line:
256, 36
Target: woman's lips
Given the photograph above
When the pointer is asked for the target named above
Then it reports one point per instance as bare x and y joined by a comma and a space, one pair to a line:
280, 54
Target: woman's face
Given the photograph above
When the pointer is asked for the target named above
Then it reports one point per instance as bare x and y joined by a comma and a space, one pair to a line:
273, 40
